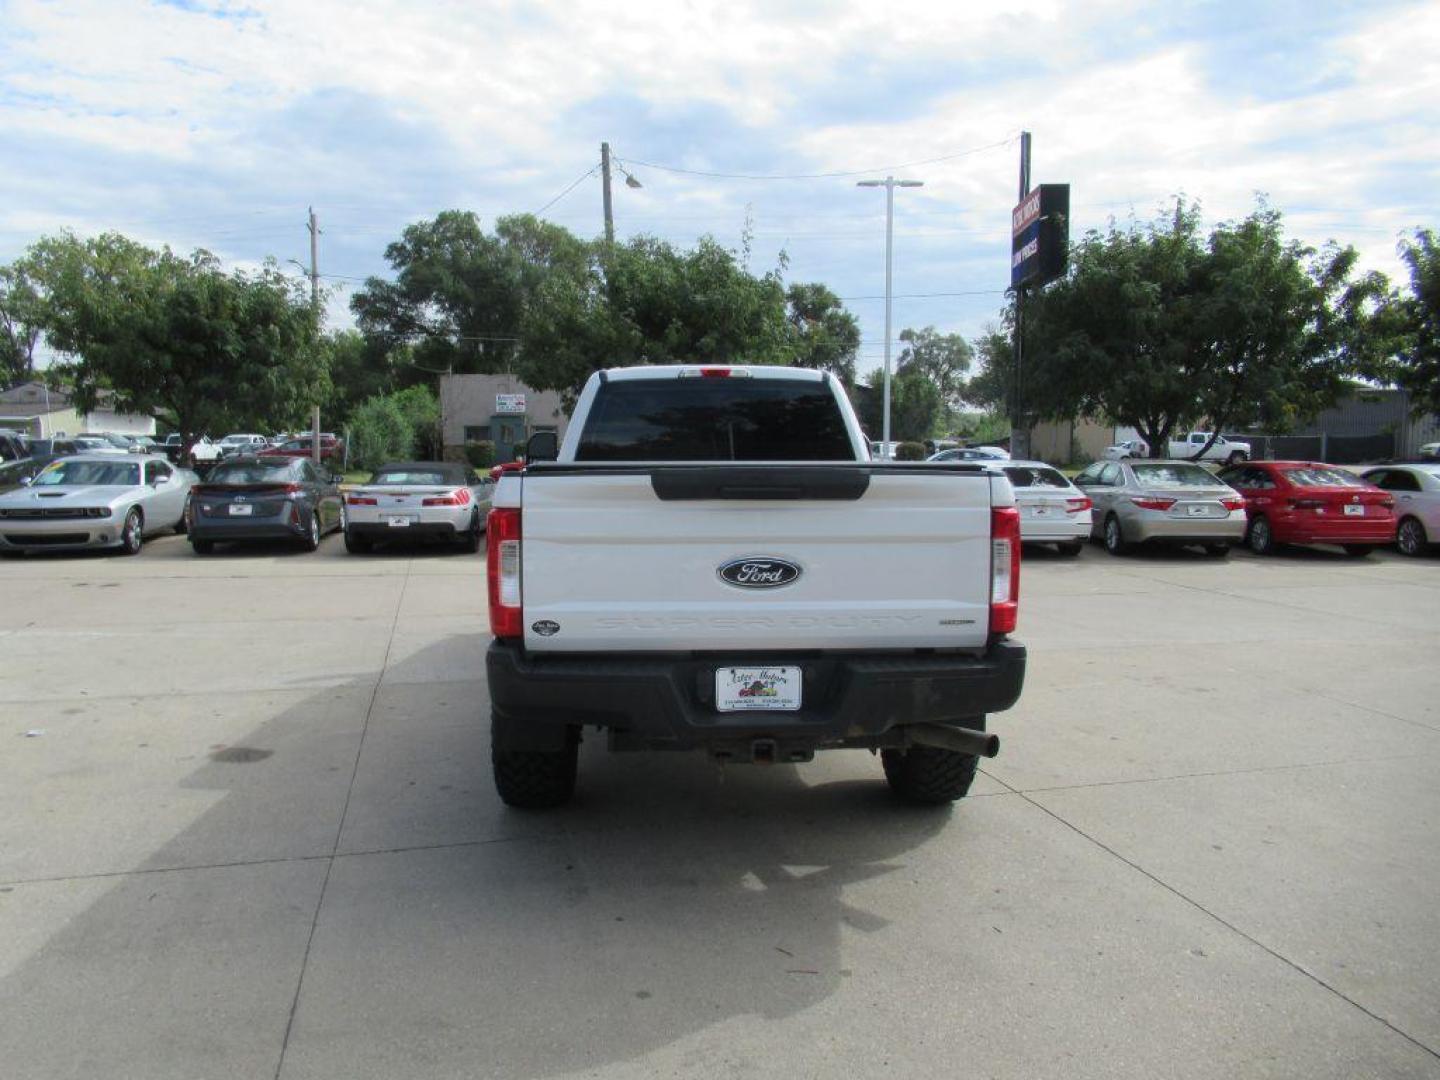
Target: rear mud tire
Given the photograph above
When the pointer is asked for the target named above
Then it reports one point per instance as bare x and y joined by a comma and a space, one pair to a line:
927, 775
533, 779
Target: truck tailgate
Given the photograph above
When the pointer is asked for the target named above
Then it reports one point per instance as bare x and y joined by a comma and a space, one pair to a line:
609, 565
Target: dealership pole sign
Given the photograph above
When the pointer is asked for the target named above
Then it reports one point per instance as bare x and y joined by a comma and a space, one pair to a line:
1040, 236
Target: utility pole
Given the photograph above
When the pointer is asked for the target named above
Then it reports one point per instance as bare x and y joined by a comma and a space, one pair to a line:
1019, 436
605, 188
889, 184
315, 310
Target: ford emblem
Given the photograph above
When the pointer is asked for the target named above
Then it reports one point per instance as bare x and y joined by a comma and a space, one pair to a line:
758, 572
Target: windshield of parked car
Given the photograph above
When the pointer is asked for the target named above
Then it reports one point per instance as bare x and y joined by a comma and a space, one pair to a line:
413, 476
1159, 475
1040, 476
1322, 476
735, 419
85, 473
252, 472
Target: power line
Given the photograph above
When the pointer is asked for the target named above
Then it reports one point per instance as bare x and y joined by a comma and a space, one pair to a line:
577, 182
824, 175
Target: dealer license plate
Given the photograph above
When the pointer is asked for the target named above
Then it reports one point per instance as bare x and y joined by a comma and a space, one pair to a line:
1037, 511
1198, 510
740, 689
1354, 510
398, 521
242, 508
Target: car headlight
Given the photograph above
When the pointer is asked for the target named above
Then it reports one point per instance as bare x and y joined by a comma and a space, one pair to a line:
98, 512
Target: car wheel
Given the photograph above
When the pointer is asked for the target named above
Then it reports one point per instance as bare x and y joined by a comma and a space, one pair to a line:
1115, 542
533, 779
354, 545
1410, 537
1217, 551
1235, 458
1358, 551
132, 534
202, 547
1261, 539
311, 542
1070, 550
472, 538
929, 775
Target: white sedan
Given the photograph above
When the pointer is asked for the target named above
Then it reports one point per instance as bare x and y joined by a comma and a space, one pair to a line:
1417, 503
1052, 509
95, 501
406, 500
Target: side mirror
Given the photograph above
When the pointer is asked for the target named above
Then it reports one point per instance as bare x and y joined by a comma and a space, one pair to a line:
543, 446
26, 481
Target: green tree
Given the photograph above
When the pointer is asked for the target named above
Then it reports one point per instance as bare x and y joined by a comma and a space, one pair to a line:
178, 336
645, 302
943, 358
1160, 328
460, 295
825, 335
19, 322
421, 409
915, 406
380, 432
1417, 367
360, 368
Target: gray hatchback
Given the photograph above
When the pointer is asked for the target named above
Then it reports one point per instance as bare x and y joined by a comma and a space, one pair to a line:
1176, 502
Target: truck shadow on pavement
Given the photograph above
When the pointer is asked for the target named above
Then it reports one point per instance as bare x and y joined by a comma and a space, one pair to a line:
455, 936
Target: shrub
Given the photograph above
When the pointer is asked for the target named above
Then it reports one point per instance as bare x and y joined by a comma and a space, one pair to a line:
380, 432
481, 455
910, 451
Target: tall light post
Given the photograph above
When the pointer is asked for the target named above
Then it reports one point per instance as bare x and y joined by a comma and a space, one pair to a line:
889, 184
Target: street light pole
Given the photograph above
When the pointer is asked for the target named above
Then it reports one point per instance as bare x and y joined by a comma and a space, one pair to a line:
889, 184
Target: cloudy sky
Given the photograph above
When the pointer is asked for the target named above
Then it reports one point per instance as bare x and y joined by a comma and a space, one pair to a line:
206, 123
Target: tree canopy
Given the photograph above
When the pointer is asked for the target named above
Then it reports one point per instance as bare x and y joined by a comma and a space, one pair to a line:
1160, 328
177, 335
1418, 355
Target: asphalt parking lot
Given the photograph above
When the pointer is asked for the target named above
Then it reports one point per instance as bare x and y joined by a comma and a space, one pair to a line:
247, 829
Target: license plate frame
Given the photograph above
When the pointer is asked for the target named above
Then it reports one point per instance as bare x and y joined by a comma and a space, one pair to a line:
398, 521
1354, 509
758, 687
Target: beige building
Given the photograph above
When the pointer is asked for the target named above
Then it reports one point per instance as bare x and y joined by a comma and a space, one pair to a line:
496, 408
33, 408
1069, 442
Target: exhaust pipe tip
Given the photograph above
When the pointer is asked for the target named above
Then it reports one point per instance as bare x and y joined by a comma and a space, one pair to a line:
960, 739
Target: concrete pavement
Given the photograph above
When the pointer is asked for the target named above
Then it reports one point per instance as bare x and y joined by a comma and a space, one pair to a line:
256, 837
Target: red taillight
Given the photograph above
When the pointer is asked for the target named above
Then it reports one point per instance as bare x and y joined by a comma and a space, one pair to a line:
361, 500
1004, 569
1388, 502
1152, 504
1076, 506
502, 572
1235, 503
458, 497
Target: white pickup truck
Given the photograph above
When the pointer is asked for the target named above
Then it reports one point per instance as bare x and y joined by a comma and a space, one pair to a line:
1223, 449
712, 561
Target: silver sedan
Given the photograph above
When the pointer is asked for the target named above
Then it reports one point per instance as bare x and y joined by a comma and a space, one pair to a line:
95, 501
1177, 502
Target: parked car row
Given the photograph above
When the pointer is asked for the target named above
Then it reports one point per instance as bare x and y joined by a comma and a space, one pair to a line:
105, 500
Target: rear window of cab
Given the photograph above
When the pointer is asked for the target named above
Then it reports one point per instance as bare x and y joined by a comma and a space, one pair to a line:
699, 419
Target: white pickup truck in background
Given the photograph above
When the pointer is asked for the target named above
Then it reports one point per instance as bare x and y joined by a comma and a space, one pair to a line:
712, 561
1222, 449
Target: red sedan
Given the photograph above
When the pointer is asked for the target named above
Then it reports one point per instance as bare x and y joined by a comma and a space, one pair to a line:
1306, 502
